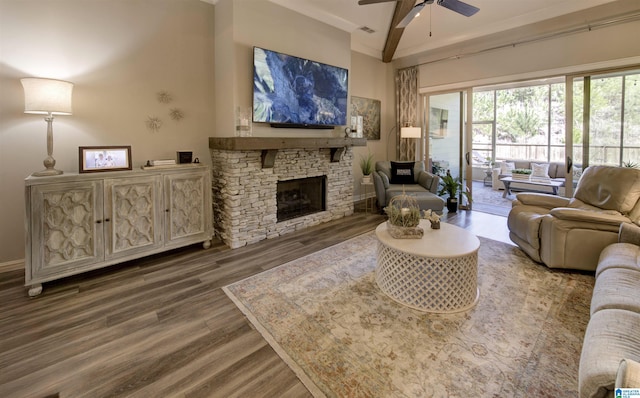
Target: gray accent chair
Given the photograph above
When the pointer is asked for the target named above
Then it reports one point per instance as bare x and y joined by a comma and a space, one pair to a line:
424, 187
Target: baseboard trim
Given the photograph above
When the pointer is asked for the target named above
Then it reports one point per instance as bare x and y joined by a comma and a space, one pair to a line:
12, 265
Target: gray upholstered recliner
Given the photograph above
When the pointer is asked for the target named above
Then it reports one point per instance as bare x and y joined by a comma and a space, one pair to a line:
389, 181
572, 232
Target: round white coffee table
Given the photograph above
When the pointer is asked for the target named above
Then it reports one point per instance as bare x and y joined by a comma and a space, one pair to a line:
437, 273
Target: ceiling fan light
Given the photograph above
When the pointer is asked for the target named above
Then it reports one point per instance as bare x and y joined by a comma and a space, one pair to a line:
412, 14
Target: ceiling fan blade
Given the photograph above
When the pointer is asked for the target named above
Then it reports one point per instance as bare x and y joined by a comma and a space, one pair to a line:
411, 15
365, 2
458, 6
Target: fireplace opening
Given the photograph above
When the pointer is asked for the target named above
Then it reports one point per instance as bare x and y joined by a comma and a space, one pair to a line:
301, 197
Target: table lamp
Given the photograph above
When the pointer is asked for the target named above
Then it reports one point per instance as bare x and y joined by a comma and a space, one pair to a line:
47, 97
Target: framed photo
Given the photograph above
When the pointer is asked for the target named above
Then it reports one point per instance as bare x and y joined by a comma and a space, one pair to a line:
104, 158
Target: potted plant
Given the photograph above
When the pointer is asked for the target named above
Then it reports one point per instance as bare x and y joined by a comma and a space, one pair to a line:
366, 165
521, 174
452, 186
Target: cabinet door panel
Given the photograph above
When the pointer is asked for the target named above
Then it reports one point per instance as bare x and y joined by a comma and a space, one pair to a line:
186, 207
133, 215
67, 222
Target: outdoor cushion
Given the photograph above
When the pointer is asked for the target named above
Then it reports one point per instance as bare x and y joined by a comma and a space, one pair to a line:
540, 170
577, 173
507, 167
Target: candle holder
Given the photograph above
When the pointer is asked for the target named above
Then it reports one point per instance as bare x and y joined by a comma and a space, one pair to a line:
243, 122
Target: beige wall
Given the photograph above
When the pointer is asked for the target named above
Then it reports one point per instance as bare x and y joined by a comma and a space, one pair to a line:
265, 24
119, 54
373, 79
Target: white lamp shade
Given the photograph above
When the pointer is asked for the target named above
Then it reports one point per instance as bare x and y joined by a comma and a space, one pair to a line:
410, 132
43, 96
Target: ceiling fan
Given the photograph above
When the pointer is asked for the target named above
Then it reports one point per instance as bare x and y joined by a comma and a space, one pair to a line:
454, 5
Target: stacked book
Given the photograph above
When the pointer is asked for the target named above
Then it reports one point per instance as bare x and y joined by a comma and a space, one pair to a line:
163, 162
155, 164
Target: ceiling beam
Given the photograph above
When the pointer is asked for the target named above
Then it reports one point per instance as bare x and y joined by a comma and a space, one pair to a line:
393, 37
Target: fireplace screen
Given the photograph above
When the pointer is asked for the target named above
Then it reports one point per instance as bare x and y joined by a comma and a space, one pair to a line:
297, 198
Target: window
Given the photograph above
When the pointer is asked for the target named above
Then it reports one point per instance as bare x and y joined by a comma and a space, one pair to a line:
526, 120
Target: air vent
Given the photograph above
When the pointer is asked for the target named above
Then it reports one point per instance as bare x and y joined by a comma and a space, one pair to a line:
367, 29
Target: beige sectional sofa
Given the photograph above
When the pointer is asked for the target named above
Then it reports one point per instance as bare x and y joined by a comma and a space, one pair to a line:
611, 346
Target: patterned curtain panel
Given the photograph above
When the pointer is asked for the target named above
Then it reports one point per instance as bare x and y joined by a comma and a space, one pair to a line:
407, 110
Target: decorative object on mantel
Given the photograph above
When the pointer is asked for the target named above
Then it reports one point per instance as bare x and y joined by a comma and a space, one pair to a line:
433, 218
47, 97
153, 123
243, 122
356, 122
404, 216
366, 165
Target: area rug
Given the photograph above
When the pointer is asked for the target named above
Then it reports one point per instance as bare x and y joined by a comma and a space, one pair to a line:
326, 317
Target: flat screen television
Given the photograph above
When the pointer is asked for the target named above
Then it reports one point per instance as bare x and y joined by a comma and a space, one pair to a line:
295, 92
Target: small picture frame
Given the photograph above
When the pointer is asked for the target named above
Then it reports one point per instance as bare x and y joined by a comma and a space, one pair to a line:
94, 159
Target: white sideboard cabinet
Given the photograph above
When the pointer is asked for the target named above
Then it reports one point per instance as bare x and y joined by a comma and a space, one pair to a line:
79, 222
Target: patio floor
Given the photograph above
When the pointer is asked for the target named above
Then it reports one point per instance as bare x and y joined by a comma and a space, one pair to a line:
486, 200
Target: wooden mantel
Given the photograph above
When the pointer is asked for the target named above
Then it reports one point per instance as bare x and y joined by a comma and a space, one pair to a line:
270, 145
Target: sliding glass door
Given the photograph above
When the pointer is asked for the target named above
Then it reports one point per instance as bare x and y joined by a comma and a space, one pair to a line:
445, 118
604, 119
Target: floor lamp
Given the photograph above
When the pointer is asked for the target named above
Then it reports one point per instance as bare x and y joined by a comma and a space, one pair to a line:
411, 133
47, 97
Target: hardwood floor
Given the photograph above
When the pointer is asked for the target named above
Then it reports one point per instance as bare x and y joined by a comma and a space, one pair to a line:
162, 326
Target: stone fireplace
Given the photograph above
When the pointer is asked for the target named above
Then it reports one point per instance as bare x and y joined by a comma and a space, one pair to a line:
247, 171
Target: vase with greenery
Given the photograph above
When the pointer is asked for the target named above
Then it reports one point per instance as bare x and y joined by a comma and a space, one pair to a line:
452, 187
366, 165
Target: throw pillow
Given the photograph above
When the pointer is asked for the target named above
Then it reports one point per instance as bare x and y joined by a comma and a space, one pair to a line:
577, 173
507, 167
540, 170
402, 173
